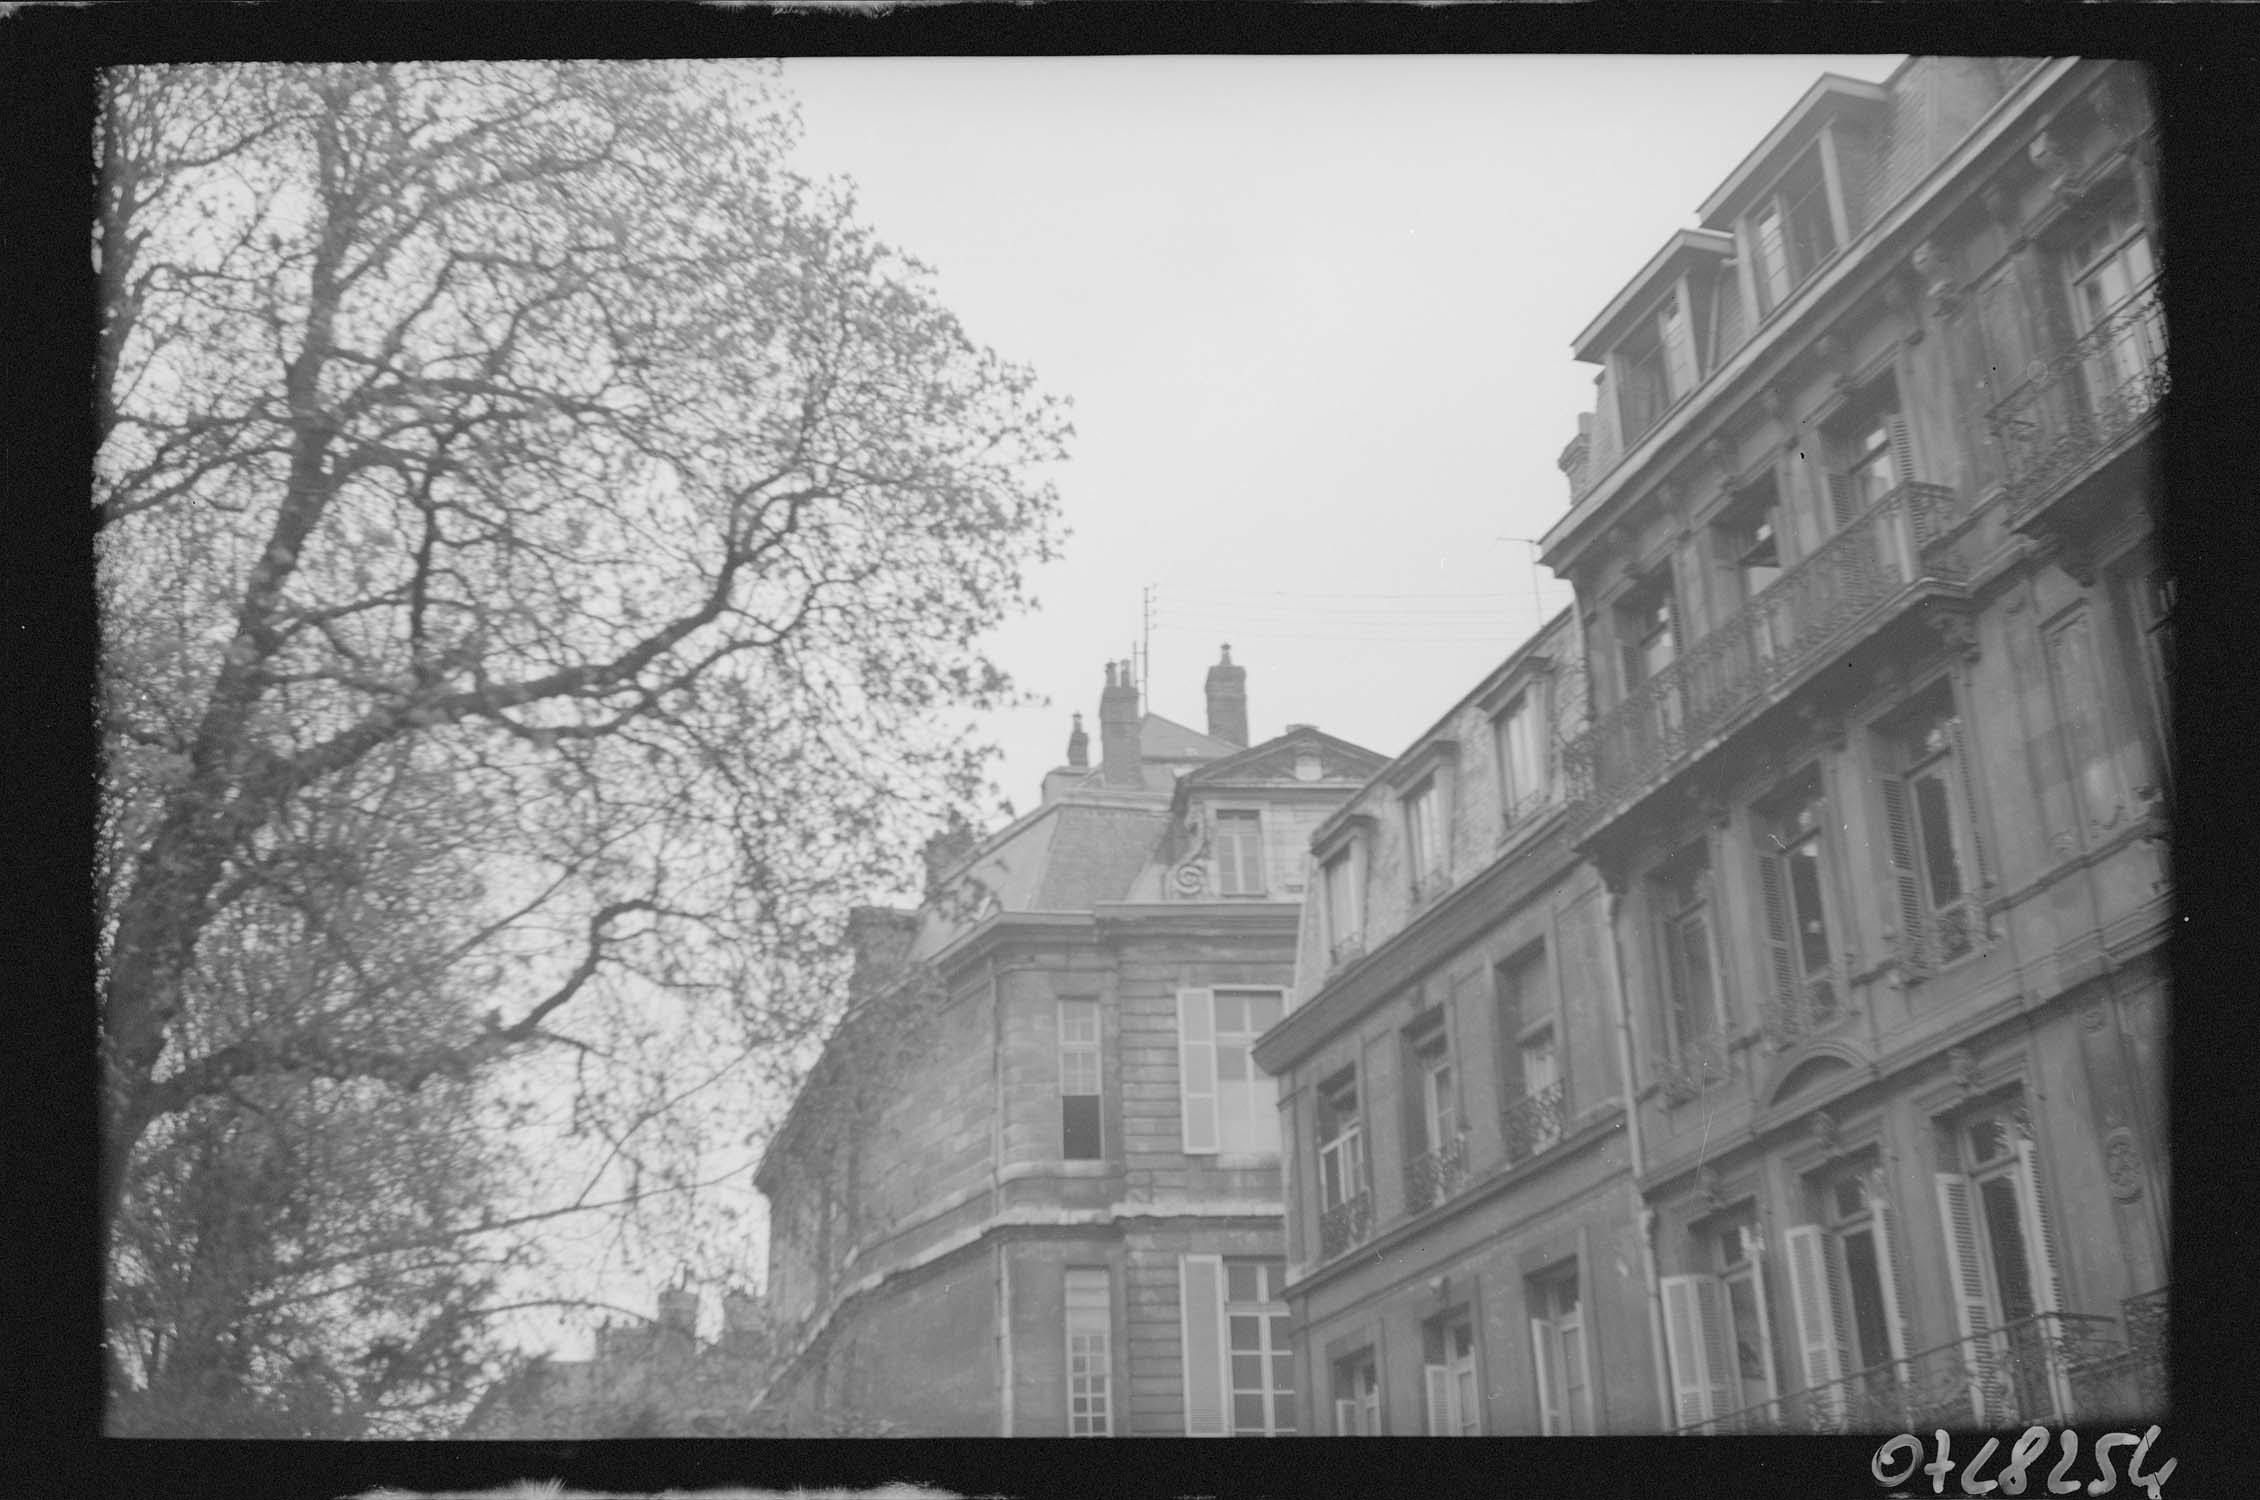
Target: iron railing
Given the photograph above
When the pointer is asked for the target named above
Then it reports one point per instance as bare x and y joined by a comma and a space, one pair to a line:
1813, 1005
1942, 936
1534, 1122
2055, 1369
1433, 1176
1700, 1064
2145, 1319
1816, 608
1345, 1224
2080, 402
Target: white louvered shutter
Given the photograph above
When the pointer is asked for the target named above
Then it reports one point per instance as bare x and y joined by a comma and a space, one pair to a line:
1686, 1341
1346, 1419
1196, 1070
1891, 1278
2046, 1271
1200, 1284
1718, 1347
1899, 830
1773, 886
1973, 1305
1439, 1384
1810, 1296
1549, 1399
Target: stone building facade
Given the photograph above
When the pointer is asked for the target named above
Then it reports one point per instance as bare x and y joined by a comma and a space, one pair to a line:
1033, 1187
1852, 910
1878, 776
1461, 1235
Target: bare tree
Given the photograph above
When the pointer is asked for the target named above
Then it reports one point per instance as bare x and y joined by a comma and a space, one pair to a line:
545, 545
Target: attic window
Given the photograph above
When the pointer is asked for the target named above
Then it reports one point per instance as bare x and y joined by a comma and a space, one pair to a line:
1792, 231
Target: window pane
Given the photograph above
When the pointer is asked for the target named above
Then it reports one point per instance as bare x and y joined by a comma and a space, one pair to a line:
1232, 1063
1861, 1271
2005, 1230
1247, 1412
1696, 1009
1241, 1283
1936, 822
1231, 1012
1247, 1372
1988, 1140
1282, 1372
1283, 1409
1264, 1012
1079, 1128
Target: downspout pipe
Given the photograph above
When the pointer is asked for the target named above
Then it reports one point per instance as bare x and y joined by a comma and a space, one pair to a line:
1615, 962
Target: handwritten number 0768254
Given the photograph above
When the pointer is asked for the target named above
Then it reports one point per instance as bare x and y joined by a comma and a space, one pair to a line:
2015, 1477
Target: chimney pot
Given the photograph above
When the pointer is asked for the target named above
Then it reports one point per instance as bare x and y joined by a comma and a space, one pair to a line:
1078, 745
1228, 701
1118, 729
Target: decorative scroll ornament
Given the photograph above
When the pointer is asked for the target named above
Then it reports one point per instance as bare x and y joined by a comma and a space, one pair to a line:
1957, 632
1707, 1183
2055, 169
2122, 1165
1190, 879
1935, 278
1825, 1131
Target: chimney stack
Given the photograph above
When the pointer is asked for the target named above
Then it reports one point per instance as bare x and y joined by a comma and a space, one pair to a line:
1078, 745
880, 938
1118, 729
1228, 702
678, 1321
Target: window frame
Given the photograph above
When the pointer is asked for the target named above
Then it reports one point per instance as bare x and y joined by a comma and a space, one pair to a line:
1427, 833
1259, 1124
1248, 854
1086, 1317
1459, 1375
1906, 763
1553, 1332
1269, 1309
1521, 726
1079, 1048
1360, 1371
1684, 892
1778, 284
1342, 941
1345, 1147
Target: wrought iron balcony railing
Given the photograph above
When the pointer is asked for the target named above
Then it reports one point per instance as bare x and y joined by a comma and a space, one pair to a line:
2055, 1369
1433, 1176
1941, 937
1534, 1123
1345, 1224
2081, 402
2145, 1319
1816, 608
1812, 1006
1701, 1064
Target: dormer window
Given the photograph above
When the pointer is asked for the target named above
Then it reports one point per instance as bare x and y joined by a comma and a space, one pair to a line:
1424, 830
1239, 853
1657, 368
1791, 230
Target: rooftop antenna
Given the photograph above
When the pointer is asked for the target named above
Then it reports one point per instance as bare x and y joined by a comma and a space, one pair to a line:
1145, 631
1537, 600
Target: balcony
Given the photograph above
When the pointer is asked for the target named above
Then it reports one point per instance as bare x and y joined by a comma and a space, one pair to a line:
1858, 580
2081, 405
1345, 1225
1702, 1064
1534, 1123
1812, 1007
1433, 1176
2055, 1369
1943, 936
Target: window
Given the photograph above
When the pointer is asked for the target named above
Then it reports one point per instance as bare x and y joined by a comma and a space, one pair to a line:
1435, 1170
1531, 1085
1644, 626
1263, 1365
1455, 1402
1239, 853
1079, 1090
1239, 1371
1792, 886
1748, 541
1718, 1328
1424, 825
1683, 890
1793, 231
2084, 723
1870, 453
1929, 835
2111, 267
1090, 1326
2001, 1246
1557, 1346
1345, 921
1229, 1104
1521, 739
1657, 367
1357, 1396
1345, 1207
1845, 1293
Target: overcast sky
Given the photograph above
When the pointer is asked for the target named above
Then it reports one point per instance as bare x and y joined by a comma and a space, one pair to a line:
1315, 317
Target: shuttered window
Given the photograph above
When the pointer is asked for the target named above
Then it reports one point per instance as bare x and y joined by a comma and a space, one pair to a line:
1341, 1142
1558, 1354
1679, 349
2008, 1279
1521, 737
2084, 724
1201, 1302
1424, 827
1090, 1327
1929, 811
1357, 1396
1196, 1071
1261, 1369
1247, 1098
1452, 1388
